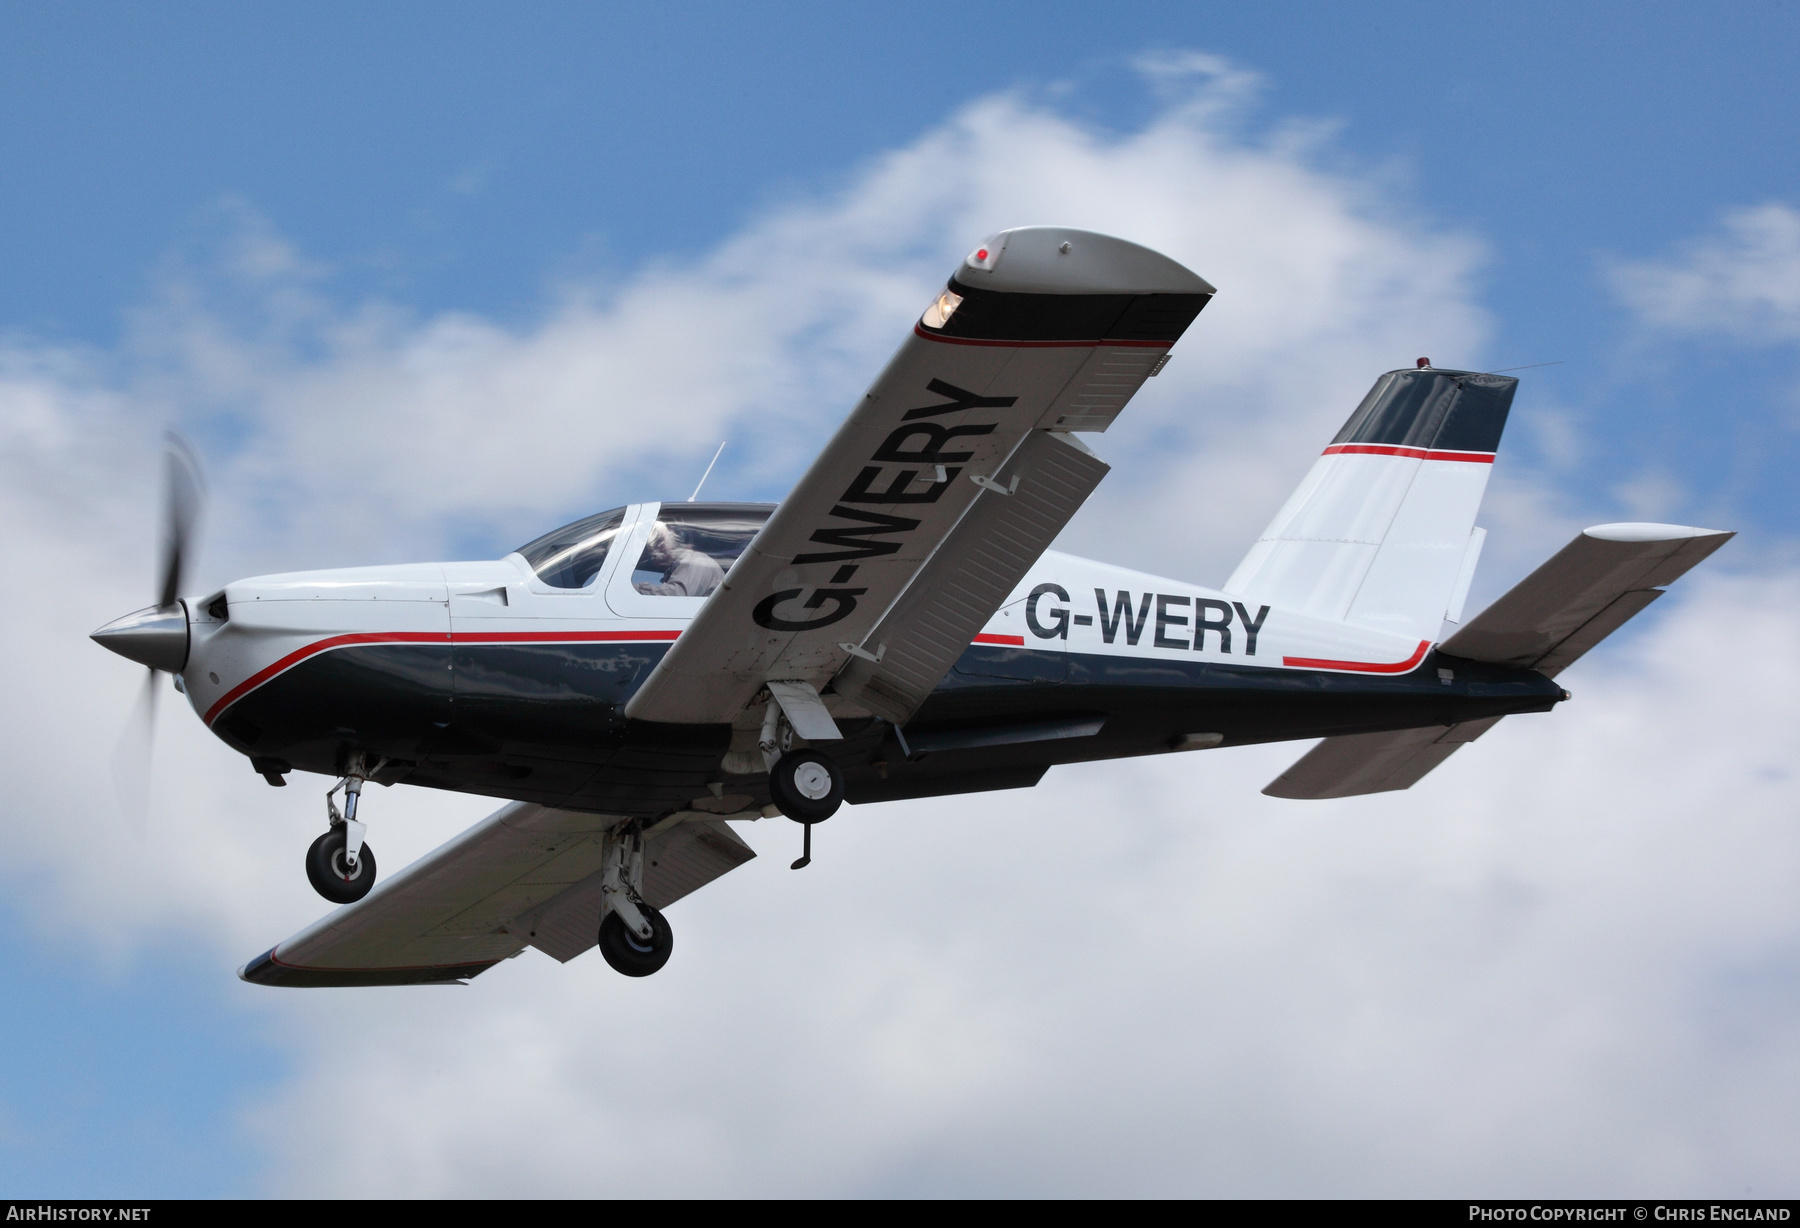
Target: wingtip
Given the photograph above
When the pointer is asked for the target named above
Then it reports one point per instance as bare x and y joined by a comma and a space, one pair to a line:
249, 972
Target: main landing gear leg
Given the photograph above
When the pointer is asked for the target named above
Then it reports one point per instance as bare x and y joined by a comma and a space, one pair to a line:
804, 785
634, 937
340, 864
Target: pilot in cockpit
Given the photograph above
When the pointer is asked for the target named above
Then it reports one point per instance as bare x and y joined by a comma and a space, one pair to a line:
686, 571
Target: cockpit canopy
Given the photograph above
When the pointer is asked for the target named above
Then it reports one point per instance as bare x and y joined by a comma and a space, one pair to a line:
570, 557
686, 553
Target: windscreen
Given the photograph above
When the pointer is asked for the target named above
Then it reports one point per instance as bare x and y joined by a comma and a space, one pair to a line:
572, 556
693, 545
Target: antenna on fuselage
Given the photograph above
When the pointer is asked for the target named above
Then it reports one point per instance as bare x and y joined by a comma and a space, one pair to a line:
708, 473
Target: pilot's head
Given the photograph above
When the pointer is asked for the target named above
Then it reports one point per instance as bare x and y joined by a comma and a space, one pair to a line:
662, 545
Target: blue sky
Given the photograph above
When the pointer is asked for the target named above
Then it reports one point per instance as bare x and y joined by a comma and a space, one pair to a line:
479, 158
247, 219
463, 156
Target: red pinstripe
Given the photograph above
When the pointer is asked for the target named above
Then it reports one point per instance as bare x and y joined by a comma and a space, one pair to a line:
425, 637
919, 331
483, 964
470, 637
1362, 667
1382, 449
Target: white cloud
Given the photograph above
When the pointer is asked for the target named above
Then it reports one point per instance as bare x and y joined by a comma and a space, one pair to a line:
384, 429
1743, 280
1562, 964
1738, 282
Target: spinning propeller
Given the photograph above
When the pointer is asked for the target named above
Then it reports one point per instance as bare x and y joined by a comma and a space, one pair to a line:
157, 636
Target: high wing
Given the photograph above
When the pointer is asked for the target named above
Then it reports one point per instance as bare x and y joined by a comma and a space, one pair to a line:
1586, 591
527, 875
948, 480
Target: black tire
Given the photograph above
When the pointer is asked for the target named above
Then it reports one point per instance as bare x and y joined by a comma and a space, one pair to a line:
326, 871
631, 955
806, 787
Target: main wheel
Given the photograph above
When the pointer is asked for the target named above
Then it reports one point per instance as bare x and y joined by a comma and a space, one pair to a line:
807, 788
628, 953
329, 875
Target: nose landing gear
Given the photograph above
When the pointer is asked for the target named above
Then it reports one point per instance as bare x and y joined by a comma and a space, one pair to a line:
340, 866
331, 872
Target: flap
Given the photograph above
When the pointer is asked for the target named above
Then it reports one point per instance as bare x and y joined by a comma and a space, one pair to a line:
921, 636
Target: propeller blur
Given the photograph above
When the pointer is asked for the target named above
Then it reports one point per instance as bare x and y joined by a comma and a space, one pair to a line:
157, 636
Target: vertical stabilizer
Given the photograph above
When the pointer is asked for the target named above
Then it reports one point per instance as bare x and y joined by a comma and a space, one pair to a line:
1382, 531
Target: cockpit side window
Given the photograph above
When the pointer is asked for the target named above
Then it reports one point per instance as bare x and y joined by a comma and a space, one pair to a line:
572, 556
692, 545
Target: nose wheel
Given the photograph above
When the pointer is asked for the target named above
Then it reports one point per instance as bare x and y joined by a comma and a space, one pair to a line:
340, 865
808, 788
333, 875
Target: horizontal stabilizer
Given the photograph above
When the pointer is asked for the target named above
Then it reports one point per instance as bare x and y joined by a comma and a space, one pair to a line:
1584, 593
1358, 763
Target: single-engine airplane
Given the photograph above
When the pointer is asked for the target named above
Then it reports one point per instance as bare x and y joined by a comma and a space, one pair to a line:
897, 627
